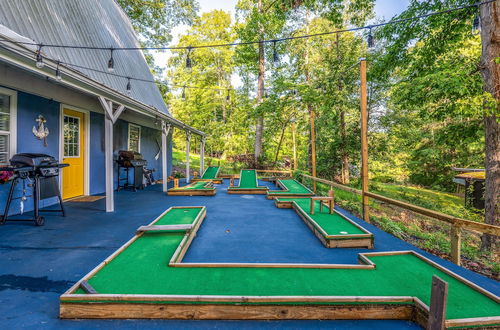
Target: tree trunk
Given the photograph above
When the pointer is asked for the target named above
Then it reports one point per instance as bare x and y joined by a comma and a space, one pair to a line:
259, 128
281, 142
343, 137
343, 144
490, 36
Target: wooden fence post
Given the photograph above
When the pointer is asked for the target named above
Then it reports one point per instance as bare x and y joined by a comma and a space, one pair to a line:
364, 141
456, 243
437, 312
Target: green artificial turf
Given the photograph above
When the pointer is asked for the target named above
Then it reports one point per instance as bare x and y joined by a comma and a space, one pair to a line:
142, 269
211, 172
248, 179
179, 216
292, 187
332, 224
195, 185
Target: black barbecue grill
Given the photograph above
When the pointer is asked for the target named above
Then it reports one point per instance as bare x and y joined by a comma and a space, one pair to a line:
40, 171
128, 160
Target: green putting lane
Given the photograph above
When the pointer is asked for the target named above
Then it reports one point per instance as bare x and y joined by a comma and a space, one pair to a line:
211, 173
194, 185
332, 224
248, 179
292, 187
179, 216
142, 269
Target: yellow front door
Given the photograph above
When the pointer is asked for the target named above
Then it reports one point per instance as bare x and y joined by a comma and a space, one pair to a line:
73, 183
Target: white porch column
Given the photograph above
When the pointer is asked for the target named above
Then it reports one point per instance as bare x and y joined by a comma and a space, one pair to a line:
188, 140
165, 129
202, 156
110, 117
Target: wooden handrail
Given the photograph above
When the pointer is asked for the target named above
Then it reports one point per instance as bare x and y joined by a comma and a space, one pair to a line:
333, 184
465, 224
459, 222
274, 171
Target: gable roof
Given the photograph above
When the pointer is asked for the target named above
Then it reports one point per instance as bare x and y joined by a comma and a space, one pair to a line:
98, 23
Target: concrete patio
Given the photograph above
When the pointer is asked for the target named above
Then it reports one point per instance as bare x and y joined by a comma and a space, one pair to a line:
40, 263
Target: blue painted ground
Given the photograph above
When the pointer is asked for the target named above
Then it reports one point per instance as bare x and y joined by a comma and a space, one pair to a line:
40, 263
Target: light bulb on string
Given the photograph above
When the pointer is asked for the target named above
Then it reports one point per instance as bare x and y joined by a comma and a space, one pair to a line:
476, 24
276, 57
58, 72
39, 57
129, 86
189, 64
111, 62
371, 40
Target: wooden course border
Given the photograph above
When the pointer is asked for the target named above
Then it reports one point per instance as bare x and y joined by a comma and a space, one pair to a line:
214, 307
271, 194
208, 190
331, 241
259, 190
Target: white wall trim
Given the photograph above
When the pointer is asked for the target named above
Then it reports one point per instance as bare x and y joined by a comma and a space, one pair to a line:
12, 121
86, 189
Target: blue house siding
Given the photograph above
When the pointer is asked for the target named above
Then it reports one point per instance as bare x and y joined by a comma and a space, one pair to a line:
29, 106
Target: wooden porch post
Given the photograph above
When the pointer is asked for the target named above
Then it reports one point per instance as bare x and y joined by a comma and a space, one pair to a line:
188, 140
294, 131
202, 155
165, 130
110, 118
364, 141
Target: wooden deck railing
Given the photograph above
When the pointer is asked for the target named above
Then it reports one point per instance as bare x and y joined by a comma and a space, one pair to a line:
457, 224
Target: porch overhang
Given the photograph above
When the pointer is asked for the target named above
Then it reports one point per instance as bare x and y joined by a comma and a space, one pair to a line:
22, 56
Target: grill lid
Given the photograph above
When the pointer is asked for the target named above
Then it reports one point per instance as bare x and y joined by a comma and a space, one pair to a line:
32, 159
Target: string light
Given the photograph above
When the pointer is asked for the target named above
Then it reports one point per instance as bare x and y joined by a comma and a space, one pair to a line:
402, 20
111, 62
371, 41
188, 58
275, 53
58, 72
129, 86
476, 24
39, 57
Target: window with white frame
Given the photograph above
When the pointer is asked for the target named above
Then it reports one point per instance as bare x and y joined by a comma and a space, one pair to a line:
8, 106
134, 137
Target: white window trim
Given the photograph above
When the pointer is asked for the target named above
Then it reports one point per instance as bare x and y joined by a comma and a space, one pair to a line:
80, 124
128, 136
13, 120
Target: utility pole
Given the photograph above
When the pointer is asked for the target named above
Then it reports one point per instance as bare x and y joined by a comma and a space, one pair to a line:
259, 127
294, 132
364, 140
310, 110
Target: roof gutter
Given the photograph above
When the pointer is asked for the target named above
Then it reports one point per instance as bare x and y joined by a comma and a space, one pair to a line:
17, 55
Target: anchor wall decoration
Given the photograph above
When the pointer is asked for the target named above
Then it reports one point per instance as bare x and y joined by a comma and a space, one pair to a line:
40, 131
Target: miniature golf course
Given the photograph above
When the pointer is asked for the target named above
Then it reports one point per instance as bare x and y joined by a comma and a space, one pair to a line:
248, 184
290, 188
140, 280
210, 174
333, 230
198, 188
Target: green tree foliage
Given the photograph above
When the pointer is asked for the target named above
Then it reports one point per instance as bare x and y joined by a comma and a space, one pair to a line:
154, 19
433, 114
216, 108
